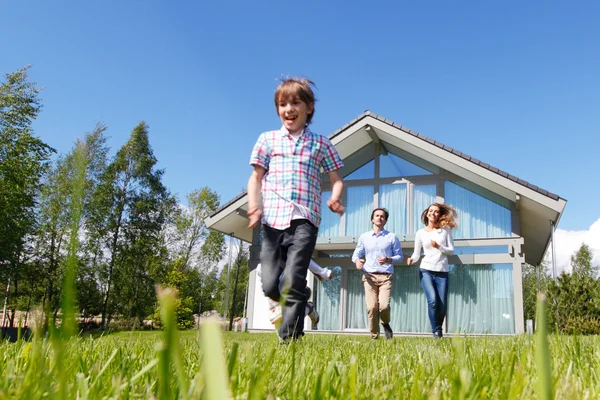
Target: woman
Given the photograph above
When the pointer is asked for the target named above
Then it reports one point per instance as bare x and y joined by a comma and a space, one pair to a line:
437, 244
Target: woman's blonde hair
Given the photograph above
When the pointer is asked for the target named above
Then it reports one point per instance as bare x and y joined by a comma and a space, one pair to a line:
448, 216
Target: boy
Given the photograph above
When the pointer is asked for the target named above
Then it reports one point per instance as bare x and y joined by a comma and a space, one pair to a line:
287, 165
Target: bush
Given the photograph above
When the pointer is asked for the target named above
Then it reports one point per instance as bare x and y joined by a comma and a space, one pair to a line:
574, 306
581, 325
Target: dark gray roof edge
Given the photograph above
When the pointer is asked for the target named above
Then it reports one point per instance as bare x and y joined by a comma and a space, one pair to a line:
349, 124
429, 141
230, 202
456, 153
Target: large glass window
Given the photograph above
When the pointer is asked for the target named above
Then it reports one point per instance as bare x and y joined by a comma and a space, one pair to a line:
423, 197
356, 313
327, 299
358, 210
478, 217
330, 222
481, 299
392, 166
408, 304
367, 171
393, 198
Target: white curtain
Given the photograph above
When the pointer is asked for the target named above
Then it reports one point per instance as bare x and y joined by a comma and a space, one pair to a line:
408, 305
393, 198
358, 210
327, 300
423, 197
330, 222
356, 314
480, 299
478, 216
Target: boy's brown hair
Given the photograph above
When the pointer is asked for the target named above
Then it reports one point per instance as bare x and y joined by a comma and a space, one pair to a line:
296, 87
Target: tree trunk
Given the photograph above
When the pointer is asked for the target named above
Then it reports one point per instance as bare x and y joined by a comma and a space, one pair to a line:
237, 275
113, 255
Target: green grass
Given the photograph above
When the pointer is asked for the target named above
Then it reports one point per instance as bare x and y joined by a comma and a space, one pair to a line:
254, 366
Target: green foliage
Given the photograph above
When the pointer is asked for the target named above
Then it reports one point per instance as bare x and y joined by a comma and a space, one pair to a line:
535, 280
573, 299
581, 325
185, 304
68, 326
581, 262
130, 209
574, 302
193, 232
23, 161
106, 224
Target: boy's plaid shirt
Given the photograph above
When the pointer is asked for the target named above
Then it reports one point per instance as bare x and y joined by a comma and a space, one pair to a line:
293, 176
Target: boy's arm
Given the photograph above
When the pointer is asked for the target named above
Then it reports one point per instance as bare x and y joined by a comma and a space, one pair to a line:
337, 187
254, 188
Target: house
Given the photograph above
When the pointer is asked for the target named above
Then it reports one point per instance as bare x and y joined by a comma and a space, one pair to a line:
503, 223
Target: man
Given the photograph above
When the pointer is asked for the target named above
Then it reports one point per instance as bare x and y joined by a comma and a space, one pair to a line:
380, 249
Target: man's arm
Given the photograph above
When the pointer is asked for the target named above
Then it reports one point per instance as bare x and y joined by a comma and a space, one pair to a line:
337, 188
254, 188
396, 251
359, 252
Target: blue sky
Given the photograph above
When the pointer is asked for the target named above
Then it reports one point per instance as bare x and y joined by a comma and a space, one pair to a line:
514, 84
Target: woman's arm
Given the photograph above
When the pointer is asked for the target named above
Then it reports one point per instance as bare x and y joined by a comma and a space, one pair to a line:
447, 247
417, 252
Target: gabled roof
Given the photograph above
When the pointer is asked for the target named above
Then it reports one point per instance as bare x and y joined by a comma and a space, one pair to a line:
446, 148
536, 206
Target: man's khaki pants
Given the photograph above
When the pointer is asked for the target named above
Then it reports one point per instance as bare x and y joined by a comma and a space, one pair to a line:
378, 291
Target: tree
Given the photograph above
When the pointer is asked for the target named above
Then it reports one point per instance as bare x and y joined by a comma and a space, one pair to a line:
24, 159
242, 275
192, 229
232, 294
581, 262
129, 209
574, 306
67, 188
535, 280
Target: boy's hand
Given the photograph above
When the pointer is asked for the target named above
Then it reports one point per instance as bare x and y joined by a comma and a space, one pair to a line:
409, 261
254, 217
335, 206
359, 263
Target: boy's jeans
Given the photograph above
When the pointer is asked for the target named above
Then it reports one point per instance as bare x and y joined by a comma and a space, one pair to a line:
435, 285
291, 249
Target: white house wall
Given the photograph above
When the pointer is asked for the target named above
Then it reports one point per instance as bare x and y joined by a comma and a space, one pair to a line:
258, 314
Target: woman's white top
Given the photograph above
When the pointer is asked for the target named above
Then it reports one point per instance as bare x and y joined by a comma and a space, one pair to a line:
434, 259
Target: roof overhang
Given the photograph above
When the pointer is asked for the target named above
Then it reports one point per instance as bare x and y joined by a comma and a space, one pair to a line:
539, 211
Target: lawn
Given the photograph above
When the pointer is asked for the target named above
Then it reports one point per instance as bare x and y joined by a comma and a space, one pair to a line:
199, 365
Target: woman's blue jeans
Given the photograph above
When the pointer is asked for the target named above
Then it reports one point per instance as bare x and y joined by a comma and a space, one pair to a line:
435, 286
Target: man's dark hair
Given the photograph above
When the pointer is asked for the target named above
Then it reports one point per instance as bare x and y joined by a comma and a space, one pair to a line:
385, 212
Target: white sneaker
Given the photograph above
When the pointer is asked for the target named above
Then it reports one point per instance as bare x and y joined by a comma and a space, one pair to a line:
311, 312
275, 313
